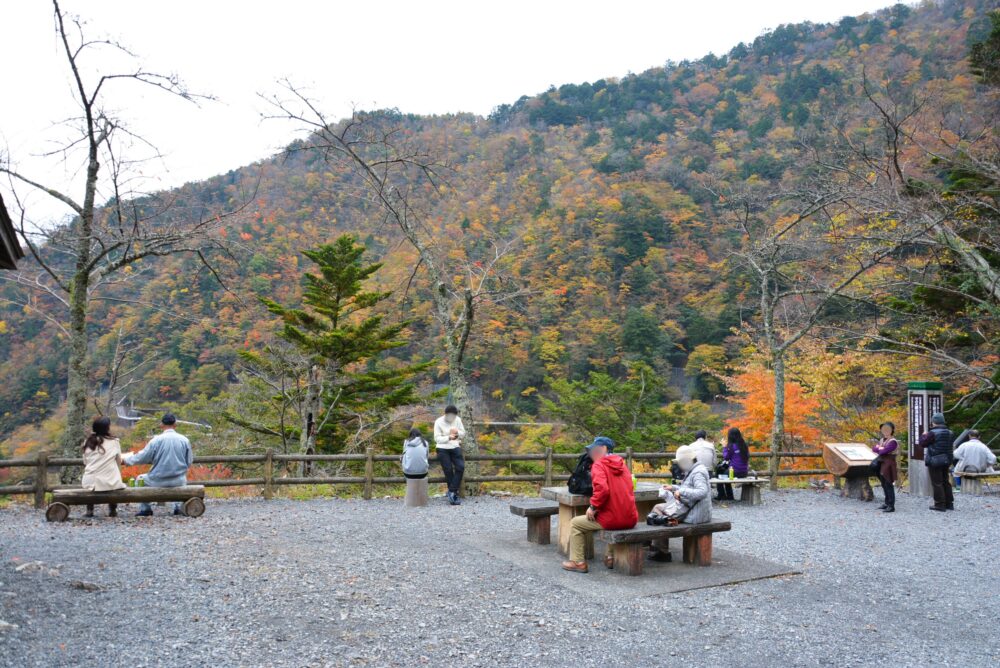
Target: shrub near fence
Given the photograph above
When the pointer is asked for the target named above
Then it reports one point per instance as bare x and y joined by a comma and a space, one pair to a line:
270, 469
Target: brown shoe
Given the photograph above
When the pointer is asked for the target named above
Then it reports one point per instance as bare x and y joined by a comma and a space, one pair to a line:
609, 561
575, 566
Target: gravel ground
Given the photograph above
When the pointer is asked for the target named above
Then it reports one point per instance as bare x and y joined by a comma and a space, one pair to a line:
317, 583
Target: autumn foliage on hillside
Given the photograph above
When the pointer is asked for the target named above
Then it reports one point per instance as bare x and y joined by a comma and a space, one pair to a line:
621, 248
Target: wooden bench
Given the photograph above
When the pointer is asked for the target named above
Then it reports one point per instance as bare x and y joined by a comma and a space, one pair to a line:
538, 512
191, 495
972, 483
628, 546
749, 488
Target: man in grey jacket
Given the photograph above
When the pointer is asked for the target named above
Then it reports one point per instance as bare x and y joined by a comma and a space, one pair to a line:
171, 456
974, 456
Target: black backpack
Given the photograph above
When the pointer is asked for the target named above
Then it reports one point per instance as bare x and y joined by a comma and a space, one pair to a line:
579, 481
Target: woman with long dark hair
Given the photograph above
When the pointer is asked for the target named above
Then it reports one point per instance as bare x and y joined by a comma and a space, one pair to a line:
737, 454
102, 455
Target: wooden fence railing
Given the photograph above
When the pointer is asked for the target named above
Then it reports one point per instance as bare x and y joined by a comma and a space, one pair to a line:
264, 476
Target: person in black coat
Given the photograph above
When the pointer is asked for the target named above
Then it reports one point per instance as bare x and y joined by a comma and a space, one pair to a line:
938, 448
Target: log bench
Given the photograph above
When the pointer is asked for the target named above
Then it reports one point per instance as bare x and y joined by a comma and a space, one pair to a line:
191, 495
628, 546
749, 488
972, 482
539, 513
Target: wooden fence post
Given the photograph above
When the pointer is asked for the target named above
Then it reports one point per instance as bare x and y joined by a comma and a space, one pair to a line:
628, 457
41, 479
369, 471
269, 474
548, 467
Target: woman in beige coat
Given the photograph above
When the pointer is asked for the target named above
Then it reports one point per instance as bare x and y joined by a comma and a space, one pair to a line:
102, 455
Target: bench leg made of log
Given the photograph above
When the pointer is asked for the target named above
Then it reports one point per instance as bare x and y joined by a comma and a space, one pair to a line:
698, 550
57, 512
416, 493
540, 530
750, 495
194, 507
629, 557
972, 486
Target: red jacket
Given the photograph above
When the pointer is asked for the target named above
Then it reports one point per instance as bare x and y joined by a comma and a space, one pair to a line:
613, 498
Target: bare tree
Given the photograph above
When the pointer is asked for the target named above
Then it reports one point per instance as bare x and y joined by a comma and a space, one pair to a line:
398, 175
948, 228
802, 251
103, 246
127, 360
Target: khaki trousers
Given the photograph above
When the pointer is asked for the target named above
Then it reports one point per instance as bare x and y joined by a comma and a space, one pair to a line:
579, 528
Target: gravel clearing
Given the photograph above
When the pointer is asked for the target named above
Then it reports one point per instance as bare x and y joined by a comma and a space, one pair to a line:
349, 582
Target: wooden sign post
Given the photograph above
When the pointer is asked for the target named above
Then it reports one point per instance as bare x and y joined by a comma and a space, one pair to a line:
850, 460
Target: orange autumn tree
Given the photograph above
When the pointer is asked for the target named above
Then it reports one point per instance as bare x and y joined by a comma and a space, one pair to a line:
754, 390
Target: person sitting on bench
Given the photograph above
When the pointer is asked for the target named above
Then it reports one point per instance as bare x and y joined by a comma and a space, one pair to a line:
414, 458
102, 454
171, 456
973, 456
691, 501
612, 505
687, 503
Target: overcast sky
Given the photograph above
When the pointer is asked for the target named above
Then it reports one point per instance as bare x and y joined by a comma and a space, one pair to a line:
421, 57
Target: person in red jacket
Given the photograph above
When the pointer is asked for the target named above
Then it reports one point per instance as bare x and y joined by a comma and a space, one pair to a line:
612, 505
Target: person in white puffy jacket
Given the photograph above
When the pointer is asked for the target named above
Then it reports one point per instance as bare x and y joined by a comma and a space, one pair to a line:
448, 435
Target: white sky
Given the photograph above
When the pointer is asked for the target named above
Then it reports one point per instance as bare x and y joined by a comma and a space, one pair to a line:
422, 57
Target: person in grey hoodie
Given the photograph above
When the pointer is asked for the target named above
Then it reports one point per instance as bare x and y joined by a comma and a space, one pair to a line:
171, 456
415, 455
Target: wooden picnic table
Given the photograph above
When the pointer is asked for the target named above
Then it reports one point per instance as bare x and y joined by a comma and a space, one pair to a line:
647, 495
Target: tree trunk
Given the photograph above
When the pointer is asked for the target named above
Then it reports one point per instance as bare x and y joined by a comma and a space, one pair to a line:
310, 415
458, 385
78, 375
778, 423
973, 260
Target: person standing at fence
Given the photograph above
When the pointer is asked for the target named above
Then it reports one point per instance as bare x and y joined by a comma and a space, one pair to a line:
888, 470
937, 445
448, 434
171, 456
102, 454
612, 505
735, 454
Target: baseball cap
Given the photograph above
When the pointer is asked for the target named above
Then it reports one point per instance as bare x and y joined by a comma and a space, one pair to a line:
602, 440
